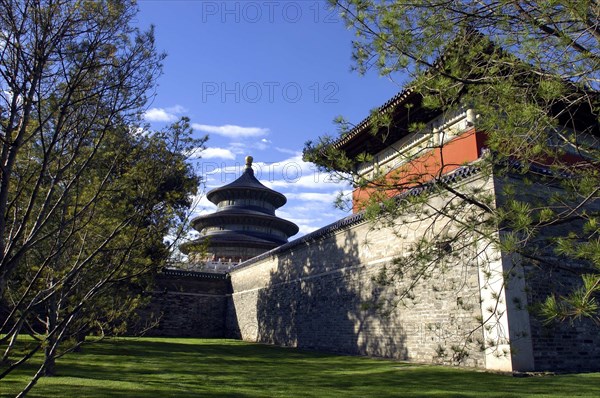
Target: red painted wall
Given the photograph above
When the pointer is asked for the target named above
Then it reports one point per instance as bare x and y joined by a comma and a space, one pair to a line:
438, 161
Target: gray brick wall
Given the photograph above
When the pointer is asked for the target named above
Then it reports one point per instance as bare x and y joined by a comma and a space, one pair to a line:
317, 293
556, 346
561, 346
188, 304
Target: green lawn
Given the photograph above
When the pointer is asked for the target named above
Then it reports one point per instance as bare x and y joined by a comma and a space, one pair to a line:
156, 368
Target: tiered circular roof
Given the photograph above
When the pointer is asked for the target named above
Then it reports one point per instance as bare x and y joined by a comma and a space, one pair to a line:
246, 187
245, 218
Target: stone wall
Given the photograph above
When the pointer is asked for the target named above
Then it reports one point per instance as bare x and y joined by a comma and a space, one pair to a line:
188, 304
473, 308
318, 293
560, 345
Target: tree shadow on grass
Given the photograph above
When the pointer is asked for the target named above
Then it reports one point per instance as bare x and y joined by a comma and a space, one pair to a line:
223, 368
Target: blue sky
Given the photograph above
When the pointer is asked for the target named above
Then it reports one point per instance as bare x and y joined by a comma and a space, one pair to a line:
261, 78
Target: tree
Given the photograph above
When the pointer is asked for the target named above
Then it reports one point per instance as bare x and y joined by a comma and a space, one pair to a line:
87, 194
90, 277
70, 72
530, 74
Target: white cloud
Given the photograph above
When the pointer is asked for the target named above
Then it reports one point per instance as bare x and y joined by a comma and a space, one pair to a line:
328, 197
159, 115
232, 131
262, 145
291, 173
195, 153
310, 217
288, 151
239, 148
164, 114
249, 147
216, 153
218, 173
305, 229
310, 179
290, 176
138, 131
201, 205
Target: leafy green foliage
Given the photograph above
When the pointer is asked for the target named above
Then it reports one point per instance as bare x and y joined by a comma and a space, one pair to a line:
87, 194
530, 72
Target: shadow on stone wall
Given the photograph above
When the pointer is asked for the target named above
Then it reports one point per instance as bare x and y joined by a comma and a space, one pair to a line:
318, 299
561, 345
187, 304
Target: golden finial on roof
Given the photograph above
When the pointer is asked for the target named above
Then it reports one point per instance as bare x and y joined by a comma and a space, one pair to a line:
249, 160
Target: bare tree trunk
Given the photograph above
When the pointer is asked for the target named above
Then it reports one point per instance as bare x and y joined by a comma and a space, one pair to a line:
51, 324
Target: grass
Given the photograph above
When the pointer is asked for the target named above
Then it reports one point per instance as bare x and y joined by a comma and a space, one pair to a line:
156, 367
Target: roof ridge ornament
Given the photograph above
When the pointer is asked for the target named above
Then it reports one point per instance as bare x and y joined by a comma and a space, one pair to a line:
249, 160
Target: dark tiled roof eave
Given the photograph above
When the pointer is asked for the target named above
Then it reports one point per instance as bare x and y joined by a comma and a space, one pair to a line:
247, 216
365, 124
193, 274
227, 238
405, 109
244, 183
233, 238
224, 193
